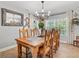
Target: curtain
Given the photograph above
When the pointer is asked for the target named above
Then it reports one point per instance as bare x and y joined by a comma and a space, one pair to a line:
63, 22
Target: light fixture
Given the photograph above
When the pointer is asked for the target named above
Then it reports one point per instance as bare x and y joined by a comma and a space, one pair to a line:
42, 14
75, 20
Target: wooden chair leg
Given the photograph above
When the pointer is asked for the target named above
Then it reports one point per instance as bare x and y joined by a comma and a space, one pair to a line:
77, 44
74, 43
51, 53
26, 52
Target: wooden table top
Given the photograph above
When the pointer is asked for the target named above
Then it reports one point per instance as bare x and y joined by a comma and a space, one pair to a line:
33, 41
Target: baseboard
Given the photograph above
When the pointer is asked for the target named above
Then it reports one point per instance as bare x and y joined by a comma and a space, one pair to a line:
6, 48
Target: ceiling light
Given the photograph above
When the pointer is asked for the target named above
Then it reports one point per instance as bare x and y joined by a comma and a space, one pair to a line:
42, 13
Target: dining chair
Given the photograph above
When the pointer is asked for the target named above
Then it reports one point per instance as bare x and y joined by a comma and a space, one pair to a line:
56, 38
76, 42
34, 32
45, 49
52, 44
23, 33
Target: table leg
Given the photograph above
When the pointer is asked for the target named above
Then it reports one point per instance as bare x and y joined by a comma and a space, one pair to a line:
19, 51
35, 52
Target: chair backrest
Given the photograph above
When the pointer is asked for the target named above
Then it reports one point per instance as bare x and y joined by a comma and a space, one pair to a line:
47, 38
53, 39
45, 42
57, 37
51, 43
33, 32
23, 33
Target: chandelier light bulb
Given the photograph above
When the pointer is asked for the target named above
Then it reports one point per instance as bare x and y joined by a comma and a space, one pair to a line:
36, 12
49, 12
42, 10
42, 15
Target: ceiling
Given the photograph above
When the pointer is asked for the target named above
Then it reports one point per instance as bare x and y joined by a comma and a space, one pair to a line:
53, 6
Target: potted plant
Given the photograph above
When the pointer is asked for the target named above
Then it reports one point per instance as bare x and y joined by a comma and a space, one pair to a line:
41, 26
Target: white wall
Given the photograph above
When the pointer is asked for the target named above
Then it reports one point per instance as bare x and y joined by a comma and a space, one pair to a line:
8, 33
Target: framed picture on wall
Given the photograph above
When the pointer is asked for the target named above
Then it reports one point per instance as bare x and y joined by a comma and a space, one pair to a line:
11, 18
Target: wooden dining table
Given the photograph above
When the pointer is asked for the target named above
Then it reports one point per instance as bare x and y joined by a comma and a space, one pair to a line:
33, 43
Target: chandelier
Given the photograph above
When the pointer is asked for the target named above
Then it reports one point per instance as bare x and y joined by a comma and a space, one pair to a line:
42, 14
